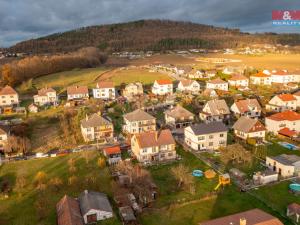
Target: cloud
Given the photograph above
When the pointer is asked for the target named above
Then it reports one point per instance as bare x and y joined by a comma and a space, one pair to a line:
25, 19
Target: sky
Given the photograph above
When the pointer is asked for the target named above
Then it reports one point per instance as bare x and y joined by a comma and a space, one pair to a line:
26, 19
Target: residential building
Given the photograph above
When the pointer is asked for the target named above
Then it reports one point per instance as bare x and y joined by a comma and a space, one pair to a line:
179, 117
247, 127
284, 120
238, 80
138, 121
282, 102
45, 96
113, 154
4, 134
133, 89
190, 86
211, 93
265, 177
297, 96
77, 93
94, 206
68, 212
97, 128
104, 90
217, 84
8, 97
215, 110
284, 165
284, 77
204, 136
246, 107
261, 78
250, 217
154, 146
162, 87
33, 108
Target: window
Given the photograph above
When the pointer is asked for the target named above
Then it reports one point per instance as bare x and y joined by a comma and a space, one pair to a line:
221, 135
211, 136
144, 150
211, 144
201, 138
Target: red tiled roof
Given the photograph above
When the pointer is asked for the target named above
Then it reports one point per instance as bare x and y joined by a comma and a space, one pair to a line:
186, 82
287, 132
286, 115
260, 74
105, 84
238, 77
44, 91
68, 212
243, 105
286, 97
8, 90
164, 82
280, 73
112, 150
77, 90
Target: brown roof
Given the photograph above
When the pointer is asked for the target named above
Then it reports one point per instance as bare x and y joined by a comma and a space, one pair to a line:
8, 90
286, 97
294, 208
138, 115
44, 91
245, 105
248, 125
73, 90
179, 112
238, 77
286, 115
154, 138
217, 81
187, 82
68, 212
94, 120
218, 107
252, 217
297, 93
105, 84
280, 73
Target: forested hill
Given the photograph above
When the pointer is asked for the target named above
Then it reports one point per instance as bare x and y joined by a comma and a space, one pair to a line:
150, 35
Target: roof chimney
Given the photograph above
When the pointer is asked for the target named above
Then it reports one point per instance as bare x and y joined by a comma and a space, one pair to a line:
243, 221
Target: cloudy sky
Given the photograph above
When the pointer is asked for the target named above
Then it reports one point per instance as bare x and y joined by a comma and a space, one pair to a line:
26, 19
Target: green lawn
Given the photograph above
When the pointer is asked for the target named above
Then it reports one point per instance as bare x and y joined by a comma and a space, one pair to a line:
61, 80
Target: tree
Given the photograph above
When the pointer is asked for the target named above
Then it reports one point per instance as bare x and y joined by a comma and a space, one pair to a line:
73, 180
236, 153
88, 156
101, 162
184, 179
72, 167
20, 180
40, 179
56, 183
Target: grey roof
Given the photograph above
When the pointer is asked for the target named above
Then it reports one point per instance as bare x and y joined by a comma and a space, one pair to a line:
178, 112
94, 120
208, 128
285, 159
218, 106
127, 213
138, 115
93, 200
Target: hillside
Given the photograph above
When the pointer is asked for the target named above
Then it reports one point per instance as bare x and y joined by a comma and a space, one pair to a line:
150, 35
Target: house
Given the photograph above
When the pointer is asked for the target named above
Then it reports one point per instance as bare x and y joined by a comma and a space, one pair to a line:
204, 136
77, 93
261, 78
247, 127
265, 177
33, 108
293, 209
94, 206
113, 154
8, 97
284, 77
286, 119
127, 215
215, 110
297, 96
211, 93
191, 86
104, 90
282, 102
250, 217
231, 70
138, 121
179, 117
217, 84
68, 212
238, 80
154, 146
97, 128
284, 165
45, 96
162, 87
133, 89
246, 107
4, 134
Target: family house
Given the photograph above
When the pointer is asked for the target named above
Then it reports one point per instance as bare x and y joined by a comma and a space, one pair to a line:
284, 120
178, 117
204, 136
297, 96
154, 146
77, 93
45, 96
104, 90
162, 87
190, 86
4, 134
250, 217
97, 128
284, 165
113, 154
217, 84
246, 107
215, 110
284, 77
261, 78
238, 80
282, 102
133, 89
8, 97
246, 128
94, 206
211, 93
138, 121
